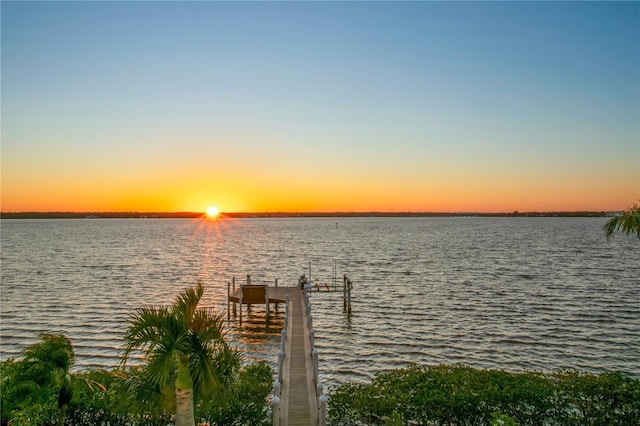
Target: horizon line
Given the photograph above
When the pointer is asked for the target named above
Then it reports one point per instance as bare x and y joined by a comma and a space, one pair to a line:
192, 214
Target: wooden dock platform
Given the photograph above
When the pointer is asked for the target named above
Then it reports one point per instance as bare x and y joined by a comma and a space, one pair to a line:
257, 294
253, 294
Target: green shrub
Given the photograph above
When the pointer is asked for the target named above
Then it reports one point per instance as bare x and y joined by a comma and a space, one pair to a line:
461, 395
29, 386
242, 402
29, 397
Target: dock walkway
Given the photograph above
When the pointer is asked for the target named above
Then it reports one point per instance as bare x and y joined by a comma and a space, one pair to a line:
298, 402
298, 397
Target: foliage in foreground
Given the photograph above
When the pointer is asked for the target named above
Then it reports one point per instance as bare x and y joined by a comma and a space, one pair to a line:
185, 351
628, 222
29, 389
460, 395
102, 397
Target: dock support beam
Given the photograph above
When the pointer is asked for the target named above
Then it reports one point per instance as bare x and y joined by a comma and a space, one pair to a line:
233, 281
266, 301
349, 297
346, 294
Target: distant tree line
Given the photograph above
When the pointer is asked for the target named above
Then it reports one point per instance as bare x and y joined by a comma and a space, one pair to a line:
193, 215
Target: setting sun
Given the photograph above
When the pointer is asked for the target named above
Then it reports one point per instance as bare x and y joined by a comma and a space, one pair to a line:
213, 211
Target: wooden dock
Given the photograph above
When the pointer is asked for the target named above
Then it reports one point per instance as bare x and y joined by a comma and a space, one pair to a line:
298, 396
254, 294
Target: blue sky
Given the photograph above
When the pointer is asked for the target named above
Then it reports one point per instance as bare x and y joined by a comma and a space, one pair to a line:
417, 105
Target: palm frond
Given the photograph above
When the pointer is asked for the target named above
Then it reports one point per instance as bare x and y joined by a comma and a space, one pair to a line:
136, 394
203, 373
208, 325
187, 302
147, 328
161, 367
628, 222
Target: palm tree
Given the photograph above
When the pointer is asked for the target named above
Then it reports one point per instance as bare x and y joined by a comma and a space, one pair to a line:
49, 359
628, 222
184, 346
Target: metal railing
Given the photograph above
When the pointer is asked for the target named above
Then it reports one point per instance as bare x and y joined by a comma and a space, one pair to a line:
277, 383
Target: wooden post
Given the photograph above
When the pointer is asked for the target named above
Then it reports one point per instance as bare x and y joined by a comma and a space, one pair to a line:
233, 281
344, 292
240, 304
266, 302
228, 301
349, 297
248, 304
334, 274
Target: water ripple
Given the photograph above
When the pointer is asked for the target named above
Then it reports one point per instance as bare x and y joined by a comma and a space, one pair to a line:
512, 293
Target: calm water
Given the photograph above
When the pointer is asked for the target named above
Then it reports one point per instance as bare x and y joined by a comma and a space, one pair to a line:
510, 293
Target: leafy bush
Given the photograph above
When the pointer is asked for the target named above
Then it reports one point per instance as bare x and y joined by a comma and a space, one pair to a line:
29, 387
460, 395
244, 402
29, 395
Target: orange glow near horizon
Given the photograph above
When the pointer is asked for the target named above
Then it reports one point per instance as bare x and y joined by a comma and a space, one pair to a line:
323, 200
263, 191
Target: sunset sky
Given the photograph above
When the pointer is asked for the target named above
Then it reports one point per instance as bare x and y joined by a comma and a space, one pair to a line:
322, 106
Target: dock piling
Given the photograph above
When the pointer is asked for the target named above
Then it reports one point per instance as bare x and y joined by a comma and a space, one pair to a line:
266, 302
349, 296
233, 281
240, 307
344, 292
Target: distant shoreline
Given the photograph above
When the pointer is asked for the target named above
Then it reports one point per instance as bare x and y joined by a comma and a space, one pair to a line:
195, 215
